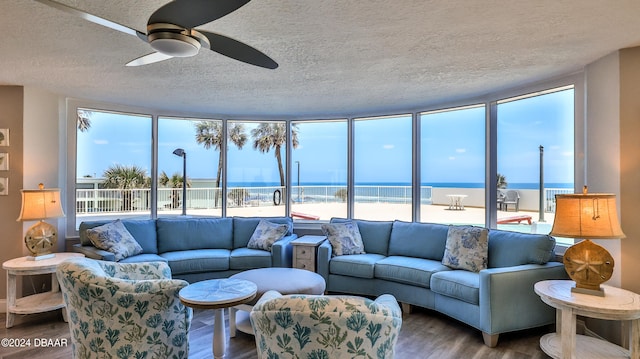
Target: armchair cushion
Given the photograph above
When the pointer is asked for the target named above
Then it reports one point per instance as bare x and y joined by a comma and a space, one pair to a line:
115, 238
316, 326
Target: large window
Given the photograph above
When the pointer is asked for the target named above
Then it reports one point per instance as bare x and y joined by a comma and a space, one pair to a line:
319, 170
535, 136
113, 165
382, 168
200, 141
256, 163
452, 167
433, 164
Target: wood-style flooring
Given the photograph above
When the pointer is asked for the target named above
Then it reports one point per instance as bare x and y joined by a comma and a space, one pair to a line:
425, 334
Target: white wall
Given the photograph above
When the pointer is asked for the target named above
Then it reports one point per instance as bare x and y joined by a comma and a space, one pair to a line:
603, 139
43, 147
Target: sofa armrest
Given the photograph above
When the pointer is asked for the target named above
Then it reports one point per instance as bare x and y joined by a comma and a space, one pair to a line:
282, 252
508, 301
323, 258
94, 253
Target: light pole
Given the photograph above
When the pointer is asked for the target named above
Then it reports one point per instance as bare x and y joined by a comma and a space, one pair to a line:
181, 153
541, 189
298, 163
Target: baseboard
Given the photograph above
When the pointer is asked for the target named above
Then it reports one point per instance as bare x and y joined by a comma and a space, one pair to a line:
3, 305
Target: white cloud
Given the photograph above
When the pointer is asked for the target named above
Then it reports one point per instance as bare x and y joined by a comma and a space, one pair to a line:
567, 154
452, 158
388, 147
101, 142
461, 150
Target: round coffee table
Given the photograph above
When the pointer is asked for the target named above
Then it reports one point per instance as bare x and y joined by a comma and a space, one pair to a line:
218, 294
283, 280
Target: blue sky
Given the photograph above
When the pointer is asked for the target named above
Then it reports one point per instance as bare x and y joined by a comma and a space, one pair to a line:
453, 148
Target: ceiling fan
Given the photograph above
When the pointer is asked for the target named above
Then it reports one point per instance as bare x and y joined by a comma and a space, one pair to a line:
171, 33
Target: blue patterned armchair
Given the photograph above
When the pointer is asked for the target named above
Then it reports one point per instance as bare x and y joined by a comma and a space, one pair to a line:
124, 310
323, 327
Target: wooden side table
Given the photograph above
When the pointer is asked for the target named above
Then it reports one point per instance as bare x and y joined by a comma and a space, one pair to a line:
305, 250
35, 303
617, 304
218, 294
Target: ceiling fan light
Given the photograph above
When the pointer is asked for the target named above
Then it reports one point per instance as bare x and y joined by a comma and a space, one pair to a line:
173, 44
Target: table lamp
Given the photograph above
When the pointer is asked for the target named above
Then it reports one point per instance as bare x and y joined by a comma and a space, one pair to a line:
38, 205
587, 216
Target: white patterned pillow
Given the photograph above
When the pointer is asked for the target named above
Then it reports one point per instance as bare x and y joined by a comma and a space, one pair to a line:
115, 238
266, 234
467, 248
344, 238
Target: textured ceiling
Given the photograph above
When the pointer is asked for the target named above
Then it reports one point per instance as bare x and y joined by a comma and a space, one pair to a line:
336, 57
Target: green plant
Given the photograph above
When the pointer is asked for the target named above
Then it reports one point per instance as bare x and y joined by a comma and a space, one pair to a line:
341, 194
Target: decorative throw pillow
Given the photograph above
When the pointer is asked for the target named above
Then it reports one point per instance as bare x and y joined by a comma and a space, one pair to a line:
115, 238
344, 238
266, 234
467, 248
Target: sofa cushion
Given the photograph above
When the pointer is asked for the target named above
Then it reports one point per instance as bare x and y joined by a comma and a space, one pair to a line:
458, 284
408, 270
115, 238
182, 234
344, 237
357, 265
422, 240
246, 258
466, 248
265, 234
243, 228
144, 257
508, 248
143, 230
375, 234
197, 260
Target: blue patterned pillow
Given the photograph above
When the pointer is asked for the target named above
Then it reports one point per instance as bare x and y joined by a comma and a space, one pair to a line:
467, 248
266, 234
344, 238
115, 238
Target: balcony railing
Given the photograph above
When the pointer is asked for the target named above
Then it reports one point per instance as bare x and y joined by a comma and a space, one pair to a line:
90, 201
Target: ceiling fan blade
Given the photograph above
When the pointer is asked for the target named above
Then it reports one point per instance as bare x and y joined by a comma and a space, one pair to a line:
149, 59
94, 19
237, 50
192, 13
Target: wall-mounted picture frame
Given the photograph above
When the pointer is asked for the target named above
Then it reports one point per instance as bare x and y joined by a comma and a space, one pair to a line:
4, 161
4, 137
4, 186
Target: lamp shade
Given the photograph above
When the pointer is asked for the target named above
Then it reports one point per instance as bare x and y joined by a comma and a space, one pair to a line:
587, 216
40, 204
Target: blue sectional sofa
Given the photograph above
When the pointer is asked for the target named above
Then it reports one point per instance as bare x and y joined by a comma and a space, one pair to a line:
405, 260
197, 248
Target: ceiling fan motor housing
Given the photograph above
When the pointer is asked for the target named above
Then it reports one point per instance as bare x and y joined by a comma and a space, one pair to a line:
174, 40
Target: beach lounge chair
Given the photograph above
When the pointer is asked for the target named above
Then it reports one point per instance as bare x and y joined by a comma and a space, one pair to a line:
511, 197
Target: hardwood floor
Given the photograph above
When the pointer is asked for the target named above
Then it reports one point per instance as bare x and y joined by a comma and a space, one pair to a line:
425, 334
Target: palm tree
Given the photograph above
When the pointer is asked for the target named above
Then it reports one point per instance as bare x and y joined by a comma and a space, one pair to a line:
126, 178
502, 181
83, 120
268, 135
175, 182
209, 134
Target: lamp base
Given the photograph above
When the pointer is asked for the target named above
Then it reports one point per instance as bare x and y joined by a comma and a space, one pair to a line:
589, 265
41, 257
598, 292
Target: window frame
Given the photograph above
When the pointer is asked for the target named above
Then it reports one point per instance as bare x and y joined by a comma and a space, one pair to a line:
490, 101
